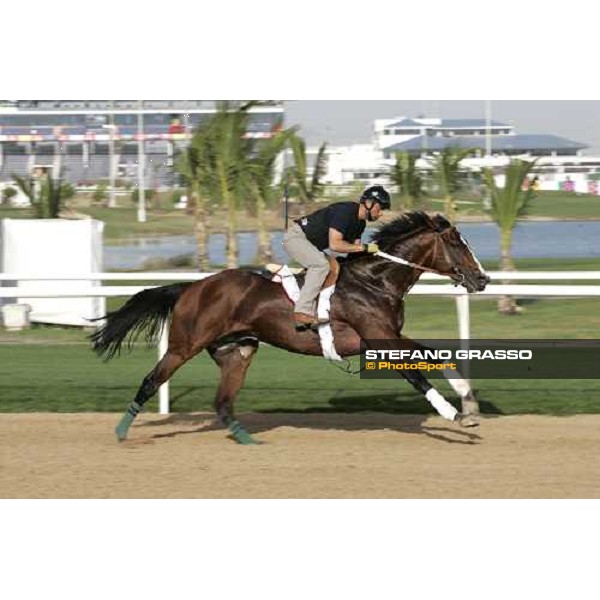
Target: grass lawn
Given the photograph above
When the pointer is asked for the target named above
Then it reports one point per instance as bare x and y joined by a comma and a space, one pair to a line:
69, 378
548, 205
53, 369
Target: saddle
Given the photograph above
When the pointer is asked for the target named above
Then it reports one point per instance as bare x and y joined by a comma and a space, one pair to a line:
273, 269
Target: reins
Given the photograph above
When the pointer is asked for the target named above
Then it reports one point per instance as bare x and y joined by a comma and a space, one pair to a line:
402, 261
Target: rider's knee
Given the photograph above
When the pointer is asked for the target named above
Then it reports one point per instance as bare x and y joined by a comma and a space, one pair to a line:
321, 266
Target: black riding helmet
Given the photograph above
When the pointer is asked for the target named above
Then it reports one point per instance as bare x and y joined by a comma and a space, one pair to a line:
378, 194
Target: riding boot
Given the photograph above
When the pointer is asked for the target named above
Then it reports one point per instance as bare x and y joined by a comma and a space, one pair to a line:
303, 321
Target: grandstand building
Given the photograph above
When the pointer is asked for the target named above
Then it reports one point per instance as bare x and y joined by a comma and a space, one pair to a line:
88, 141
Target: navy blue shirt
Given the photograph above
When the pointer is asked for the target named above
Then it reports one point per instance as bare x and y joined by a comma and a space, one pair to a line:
342, 216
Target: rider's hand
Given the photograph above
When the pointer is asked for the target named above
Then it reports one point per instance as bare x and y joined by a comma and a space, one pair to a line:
371, 248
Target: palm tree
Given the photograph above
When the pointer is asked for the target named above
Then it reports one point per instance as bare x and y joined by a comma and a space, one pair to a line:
227, 166
233, 150
507, 205
447, 169
262, 177
217, 165
194, 163
405, 175
298, 174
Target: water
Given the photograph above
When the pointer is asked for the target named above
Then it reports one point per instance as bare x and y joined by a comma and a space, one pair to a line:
540, 239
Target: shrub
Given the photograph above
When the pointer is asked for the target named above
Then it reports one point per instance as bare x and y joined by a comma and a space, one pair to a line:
100, 194
176, 196
8, 193
148, 195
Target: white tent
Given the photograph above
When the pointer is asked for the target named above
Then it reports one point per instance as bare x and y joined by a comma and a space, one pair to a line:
54, 247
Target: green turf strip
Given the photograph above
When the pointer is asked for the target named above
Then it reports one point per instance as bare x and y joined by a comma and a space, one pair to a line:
69, 378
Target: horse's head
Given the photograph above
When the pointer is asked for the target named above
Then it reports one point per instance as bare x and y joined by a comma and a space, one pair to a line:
454, 257
432, 242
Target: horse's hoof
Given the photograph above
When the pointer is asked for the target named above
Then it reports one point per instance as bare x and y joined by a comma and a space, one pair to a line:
121, 434
245, 439
466, 420
250, 441
122, 429
469, 405
241, 436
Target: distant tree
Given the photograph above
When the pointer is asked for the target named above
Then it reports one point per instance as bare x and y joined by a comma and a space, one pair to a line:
233, 150
447, 171
195, 164
223, 165
507, 205
297, 175
406, 176
262, 171
218, 163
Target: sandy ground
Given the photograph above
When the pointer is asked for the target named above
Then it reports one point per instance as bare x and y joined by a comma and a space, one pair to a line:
365, 455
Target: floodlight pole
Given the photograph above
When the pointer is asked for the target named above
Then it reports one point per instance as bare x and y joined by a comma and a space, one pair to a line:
112, 198
141, 213
487, 201
488, 128
112, 201
285, 205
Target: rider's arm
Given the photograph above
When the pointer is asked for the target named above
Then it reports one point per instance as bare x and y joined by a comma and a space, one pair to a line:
338, 244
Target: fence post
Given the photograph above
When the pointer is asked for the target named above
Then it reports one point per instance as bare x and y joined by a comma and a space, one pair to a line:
464, 318
163, 390
464, 328
469, 403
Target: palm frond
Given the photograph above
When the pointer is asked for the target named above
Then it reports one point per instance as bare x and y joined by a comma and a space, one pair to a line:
320, 169
299, 170
511, 201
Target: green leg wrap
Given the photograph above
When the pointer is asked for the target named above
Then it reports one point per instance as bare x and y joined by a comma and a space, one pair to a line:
130, 414
240, 434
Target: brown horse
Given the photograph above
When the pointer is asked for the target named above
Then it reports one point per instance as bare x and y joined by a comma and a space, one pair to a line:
231, 311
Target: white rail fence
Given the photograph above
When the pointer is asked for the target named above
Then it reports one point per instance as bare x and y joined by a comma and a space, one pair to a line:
525, 290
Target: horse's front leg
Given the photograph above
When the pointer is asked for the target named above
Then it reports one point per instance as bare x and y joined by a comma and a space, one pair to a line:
441, 405
380, 335
469, 404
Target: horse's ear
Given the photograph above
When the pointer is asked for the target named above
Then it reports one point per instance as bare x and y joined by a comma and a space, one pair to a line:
439, 222
430, 220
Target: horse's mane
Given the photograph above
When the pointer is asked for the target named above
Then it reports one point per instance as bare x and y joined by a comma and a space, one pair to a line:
406, 224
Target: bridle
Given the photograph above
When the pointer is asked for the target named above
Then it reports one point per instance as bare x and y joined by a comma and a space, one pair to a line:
402, 261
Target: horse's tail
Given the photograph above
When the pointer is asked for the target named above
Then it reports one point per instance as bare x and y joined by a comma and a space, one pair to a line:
147, 310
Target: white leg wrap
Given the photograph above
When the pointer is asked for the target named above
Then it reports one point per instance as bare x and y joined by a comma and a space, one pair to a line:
459, 385
325, 331
443, 407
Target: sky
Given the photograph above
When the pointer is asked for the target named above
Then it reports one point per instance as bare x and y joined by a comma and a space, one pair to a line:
351, 121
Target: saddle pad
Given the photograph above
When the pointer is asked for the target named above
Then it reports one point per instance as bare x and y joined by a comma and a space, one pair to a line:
285, 276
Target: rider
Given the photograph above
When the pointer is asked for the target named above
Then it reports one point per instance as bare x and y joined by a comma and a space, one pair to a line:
338, 227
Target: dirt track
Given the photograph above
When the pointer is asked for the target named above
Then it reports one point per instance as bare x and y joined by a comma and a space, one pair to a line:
305, 456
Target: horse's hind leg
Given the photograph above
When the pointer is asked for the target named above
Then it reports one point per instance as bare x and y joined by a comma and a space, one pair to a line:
163, 370
233, 360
